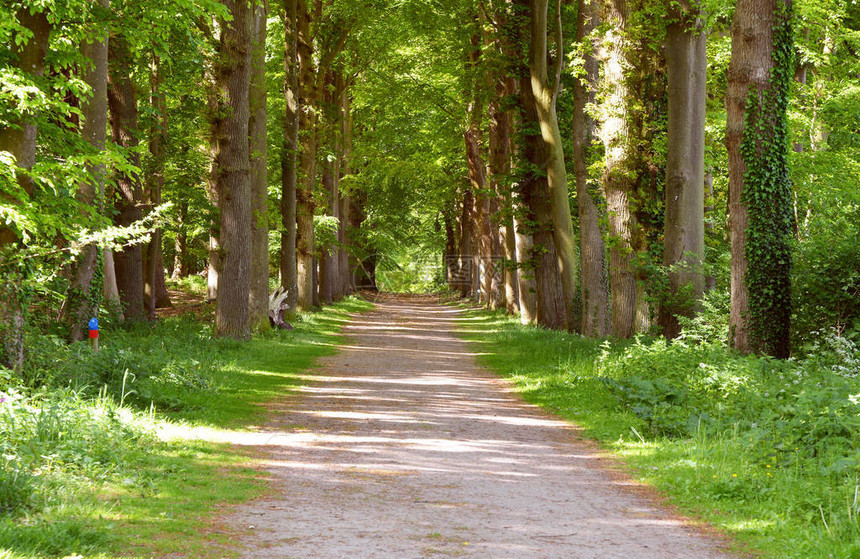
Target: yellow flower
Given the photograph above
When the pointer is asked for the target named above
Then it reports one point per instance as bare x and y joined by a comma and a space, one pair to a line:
768, 465
734, 475
768, 473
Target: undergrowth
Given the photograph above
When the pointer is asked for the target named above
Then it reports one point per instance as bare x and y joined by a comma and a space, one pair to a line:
83, 470
766, 450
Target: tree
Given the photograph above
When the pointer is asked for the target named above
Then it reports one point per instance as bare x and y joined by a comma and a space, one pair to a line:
19, 139
289, 159
684, 231
760, 200
544, 96
595, 298
122, 100
259, 289
79, 306
232, 173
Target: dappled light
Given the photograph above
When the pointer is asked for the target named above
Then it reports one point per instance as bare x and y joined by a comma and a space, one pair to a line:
400, 441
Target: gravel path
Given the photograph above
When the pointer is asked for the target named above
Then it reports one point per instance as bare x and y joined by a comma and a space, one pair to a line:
404, 447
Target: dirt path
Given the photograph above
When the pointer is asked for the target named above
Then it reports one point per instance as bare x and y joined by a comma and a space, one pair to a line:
408, 449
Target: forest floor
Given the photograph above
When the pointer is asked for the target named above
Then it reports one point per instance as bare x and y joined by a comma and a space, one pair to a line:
401, 445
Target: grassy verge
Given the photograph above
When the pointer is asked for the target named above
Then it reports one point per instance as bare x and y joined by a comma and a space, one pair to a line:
83, 469
767, 451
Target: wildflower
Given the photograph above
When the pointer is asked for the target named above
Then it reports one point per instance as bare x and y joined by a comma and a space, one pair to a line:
768, 465
734, 475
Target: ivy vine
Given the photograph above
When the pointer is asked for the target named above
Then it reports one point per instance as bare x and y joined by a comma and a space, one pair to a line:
767, 196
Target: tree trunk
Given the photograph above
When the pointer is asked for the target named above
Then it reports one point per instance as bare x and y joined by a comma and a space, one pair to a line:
154, 288
343, 255
232, 161
259, 291
526, 286
503, 284
760, 201
180, 259
81, 304
20, 141
592, 249
327, 270
543, 258
617, 181
305, 245
544, 95
464, 246
289, 157
122, 99
684, 230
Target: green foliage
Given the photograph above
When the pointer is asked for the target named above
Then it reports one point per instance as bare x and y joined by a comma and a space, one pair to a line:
86, 467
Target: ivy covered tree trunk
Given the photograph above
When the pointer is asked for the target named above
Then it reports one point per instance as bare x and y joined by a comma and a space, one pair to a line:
592, 249
259, 290
526, 286
684, 230
544, 96
122, 99
81, 301
20, 141
760, 201
289, 156
232, 161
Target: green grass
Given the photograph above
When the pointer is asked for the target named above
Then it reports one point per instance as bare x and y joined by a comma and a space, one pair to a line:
767, 451
83, 469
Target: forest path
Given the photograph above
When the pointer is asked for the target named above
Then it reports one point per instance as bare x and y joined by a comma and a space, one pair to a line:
401, 446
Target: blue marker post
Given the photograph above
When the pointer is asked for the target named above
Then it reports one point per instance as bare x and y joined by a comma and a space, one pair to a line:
94, 333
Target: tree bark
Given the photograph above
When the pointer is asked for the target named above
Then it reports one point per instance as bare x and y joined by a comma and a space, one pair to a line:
544, 96
305, 207
154, 288
617, 181
259, 291
80, 304
20, 141
464, 246
327, 266
289, 157
759, 191
592, 249
232, 161
122, 100
551, 311
684, 230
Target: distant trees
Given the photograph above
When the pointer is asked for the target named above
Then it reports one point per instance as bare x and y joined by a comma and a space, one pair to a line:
557, 165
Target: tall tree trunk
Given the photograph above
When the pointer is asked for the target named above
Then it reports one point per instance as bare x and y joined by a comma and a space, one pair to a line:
180, 259
526, 285
327, 270
20, 141
760, 204
289, 157
122, 100
617, 182
464, 246
592, 249
259, 292
154, 288
343, 255
534, 190
544, 95
684, 231
232, 161
504, 285
81, 304
305, 245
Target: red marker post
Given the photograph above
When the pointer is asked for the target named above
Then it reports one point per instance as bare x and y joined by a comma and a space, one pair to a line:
94, 333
